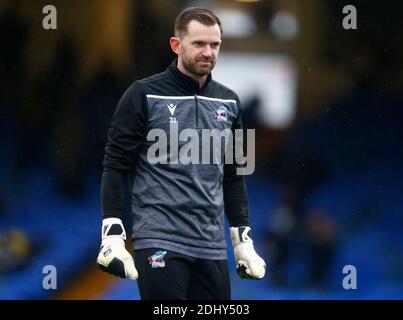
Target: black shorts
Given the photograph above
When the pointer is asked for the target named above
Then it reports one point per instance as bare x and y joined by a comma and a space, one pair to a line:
164, 274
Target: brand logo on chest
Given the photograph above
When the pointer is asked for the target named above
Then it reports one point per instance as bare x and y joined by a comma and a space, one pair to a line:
172, 108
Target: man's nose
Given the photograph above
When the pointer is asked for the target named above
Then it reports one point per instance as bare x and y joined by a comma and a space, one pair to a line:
207, 52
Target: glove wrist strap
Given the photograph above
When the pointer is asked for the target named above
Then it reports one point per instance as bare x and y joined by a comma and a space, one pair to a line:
113, 228
241, 235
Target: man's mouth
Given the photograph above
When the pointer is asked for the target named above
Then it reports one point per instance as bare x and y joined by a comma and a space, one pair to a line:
204, 62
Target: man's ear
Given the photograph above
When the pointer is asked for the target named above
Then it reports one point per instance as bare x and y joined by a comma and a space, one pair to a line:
175, 45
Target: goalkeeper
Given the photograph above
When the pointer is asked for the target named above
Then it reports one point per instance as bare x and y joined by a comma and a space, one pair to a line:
177, 209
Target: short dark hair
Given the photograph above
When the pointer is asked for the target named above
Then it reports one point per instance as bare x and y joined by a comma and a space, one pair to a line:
204, 16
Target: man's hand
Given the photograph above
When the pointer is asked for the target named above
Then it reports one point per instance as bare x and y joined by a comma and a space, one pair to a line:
113, 256
249, 264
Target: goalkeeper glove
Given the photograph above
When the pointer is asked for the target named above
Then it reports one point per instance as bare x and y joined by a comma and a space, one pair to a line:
249, 264
113, 256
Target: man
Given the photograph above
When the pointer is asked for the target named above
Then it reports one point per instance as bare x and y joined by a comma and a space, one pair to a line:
177, 209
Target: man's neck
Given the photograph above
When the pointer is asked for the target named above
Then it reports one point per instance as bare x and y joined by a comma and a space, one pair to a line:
199, 79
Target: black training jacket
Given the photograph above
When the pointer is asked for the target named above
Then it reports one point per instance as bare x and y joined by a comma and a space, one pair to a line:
176, 206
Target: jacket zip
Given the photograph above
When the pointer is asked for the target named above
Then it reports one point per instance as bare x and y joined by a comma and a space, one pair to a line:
197, 111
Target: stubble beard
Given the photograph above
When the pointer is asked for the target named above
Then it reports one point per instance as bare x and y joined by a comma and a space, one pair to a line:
191, 66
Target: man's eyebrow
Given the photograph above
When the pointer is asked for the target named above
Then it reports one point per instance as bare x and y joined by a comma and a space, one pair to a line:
202, 41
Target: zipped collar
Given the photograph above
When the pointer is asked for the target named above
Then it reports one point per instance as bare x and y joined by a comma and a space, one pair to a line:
185, 81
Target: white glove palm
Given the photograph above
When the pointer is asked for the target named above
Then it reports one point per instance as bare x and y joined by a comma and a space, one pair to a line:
113, 256
249, 264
